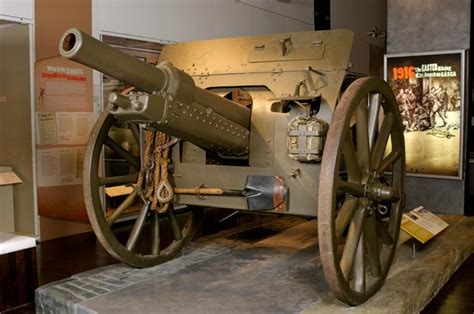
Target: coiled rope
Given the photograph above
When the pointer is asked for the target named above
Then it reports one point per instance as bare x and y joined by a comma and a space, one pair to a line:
153, 177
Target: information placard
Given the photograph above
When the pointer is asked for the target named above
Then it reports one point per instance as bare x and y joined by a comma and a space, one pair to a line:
7, 178
64, 120
422, 224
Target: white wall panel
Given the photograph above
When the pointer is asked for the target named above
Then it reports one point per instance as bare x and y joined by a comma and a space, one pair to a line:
300, 10
184, 20
17, 10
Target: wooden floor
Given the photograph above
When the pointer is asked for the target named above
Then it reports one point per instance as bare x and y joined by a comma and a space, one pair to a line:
457, 295
61, 258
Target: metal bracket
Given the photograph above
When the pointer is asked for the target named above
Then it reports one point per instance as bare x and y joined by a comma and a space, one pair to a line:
285, 45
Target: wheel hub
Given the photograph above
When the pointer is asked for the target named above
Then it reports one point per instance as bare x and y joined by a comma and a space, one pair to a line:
375, 190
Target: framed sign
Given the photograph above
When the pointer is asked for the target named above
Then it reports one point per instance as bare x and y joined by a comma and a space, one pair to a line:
429, 88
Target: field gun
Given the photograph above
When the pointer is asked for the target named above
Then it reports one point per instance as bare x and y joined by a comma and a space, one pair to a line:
269, 123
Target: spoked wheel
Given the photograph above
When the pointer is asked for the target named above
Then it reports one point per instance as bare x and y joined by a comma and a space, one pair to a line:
359, 209
145, 245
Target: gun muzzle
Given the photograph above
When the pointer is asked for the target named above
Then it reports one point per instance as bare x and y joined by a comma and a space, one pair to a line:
85, 49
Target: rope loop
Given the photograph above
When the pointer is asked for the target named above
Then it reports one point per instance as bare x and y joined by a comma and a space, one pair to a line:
164, 194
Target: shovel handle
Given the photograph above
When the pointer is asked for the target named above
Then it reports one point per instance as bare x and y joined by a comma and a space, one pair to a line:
199, 191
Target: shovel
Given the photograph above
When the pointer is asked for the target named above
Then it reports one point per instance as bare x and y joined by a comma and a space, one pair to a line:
261, 192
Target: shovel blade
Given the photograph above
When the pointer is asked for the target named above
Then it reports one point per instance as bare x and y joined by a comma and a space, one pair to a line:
265, 193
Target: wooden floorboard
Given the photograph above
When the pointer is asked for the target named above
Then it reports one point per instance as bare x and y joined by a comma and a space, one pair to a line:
457, 295
61, 258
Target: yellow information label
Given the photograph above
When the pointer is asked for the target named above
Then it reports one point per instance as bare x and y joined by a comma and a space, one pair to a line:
422, 224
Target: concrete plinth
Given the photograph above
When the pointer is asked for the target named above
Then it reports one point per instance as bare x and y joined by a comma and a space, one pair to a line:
240, 274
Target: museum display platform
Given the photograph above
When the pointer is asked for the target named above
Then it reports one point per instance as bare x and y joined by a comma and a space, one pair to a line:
273, 267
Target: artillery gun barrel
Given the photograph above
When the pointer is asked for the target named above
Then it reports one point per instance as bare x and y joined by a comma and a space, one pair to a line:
173, 102
87, 50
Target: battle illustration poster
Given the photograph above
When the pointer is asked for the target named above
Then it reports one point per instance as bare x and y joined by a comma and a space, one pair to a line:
429, 92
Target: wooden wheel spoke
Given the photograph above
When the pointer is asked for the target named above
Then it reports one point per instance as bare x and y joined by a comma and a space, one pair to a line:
389, 160
155, 233
353, 188
122, 207
382, 139
397, 192
174, 223
363, 148
134, 161
371, 240
359, 266
350, 158
345, 214
352, 241
138, 226
117, 180
135, 129
373, 111
382, 231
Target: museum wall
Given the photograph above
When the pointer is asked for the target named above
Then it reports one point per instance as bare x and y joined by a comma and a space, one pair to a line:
15, 120
60, 199
362, 17
421, 26
53, 18
184, 20
17, 10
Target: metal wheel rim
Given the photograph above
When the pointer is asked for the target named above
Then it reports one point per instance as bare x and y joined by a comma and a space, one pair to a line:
331, 258
98, 221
